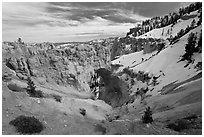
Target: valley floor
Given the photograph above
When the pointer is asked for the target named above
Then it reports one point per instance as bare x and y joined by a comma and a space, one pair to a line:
183, 102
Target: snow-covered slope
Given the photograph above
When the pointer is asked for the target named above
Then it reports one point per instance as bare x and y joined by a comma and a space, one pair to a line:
132, 59
181, 24
166, 63
135, 58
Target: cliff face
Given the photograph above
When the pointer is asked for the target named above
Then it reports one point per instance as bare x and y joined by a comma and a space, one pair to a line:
127, 45
114, 90
71, 65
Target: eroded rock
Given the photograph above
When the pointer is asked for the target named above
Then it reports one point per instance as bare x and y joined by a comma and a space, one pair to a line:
17, 86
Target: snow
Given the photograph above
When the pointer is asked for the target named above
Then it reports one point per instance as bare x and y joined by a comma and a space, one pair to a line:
167, 60
132, 59
182, 24
135, 59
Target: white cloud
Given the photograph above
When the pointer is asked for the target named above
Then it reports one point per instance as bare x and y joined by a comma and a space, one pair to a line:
31, 22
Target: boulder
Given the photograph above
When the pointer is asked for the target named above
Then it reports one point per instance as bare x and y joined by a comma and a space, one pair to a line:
7, 77
12, 63
41, 80
17, 86
7, 74
33, 62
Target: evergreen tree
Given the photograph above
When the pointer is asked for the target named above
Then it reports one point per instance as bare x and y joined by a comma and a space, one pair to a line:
181, 11
158, 22
188, 10
200, 18
20, 41
187, 29
190, 47
199, 47
181, 33
147, 118
167, 32
162, 32
154, 81
166, 20
198, 5
176, 17
31, 89
31, 86
193, 23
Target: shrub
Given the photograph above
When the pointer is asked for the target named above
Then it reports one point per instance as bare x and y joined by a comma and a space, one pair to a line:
140, 76
27, 125
198, 66
82, 111
100, 128
147, 118
179, 125
129, 72
57, 98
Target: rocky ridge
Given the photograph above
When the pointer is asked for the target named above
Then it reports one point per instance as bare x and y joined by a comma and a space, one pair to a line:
70, 65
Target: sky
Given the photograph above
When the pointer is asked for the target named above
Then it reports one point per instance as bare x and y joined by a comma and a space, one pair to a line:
80, 21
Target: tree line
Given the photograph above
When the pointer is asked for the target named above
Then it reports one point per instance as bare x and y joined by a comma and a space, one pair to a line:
159, 22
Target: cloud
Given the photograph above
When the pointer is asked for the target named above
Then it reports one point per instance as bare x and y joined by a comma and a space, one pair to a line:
69, 21
79, 11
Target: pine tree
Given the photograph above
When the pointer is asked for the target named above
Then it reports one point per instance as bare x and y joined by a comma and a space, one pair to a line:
154, 81
200, 18
147, 118
187, 29
167, 32
31, 89
193, 23
31, 86
180, 33
190, 47
181, 10
188, 10
19, 40
198, 5
162, 32
199, 46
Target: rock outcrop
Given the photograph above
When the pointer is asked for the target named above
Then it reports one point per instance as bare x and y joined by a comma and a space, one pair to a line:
71, 65
114, 91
